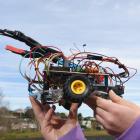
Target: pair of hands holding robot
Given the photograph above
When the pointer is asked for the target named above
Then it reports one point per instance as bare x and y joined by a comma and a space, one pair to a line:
110, 113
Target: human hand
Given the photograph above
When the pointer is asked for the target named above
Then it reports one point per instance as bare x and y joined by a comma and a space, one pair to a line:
91, 101
116, 114
52, 126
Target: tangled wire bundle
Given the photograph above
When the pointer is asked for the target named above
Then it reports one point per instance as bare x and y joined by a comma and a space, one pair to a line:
55, 78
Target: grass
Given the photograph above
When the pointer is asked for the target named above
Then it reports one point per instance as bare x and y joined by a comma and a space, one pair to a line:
95, 132
16, 135
20, 135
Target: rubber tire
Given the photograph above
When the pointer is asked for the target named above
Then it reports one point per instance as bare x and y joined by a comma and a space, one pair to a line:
68, 93
67, 105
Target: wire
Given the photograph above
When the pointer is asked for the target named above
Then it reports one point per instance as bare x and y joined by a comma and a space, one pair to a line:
43, 58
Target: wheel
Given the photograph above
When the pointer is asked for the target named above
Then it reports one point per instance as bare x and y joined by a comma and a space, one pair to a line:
77, 88
67, 104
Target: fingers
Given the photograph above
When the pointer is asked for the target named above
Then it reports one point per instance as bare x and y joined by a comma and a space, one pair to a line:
107, 119
46, 107
73, 111
91, 101
94, 101
37, 108
110, 113
104, 104
101, 120
48, 116
115, 98
104, 123
102, 113
102, 116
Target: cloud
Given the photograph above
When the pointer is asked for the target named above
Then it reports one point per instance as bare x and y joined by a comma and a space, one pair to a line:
11, 88
109, 27
8, 74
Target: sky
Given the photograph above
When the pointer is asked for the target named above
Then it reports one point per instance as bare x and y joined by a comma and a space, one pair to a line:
110, 27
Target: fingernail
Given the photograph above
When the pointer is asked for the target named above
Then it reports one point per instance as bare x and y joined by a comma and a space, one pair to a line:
54, 107
111, 90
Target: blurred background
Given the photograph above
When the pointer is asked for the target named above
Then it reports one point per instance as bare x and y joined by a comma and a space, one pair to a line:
110, 27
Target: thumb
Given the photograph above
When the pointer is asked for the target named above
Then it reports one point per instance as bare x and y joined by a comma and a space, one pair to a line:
73, 111
48, 116
115, 98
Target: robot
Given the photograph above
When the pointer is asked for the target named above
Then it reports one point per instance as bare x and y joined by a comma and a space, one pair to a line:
55, 78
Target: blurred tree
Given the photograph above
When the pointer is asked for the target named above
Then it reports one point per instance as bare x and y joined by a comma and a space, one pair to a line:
80, 118
62, 115
29, 113
5, 115
1, 96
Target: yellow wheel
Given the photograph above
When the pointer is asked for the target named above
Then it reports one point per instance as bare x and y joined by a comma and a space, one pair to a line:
78, 87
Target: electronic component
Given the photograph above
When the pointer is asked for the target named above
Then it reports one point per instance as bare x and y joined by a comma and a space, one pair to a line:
55, 78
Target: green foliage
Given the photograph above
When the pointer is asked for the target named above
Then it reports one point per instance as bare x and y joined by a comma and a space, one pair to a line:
80, 117
62, 115
19, 135
94, 132
16, 135
29, 113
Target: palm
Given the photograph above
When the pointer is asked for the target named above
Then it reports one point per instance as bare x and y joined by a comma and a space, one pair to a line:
53, 126
57, 127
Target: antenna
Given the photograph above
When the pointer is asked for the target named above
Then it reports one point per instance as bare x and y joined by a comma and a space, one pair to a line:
84, 45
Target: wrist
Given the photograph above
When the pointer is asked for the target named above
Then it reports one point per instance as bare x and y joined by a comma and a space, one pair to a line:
132, 132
